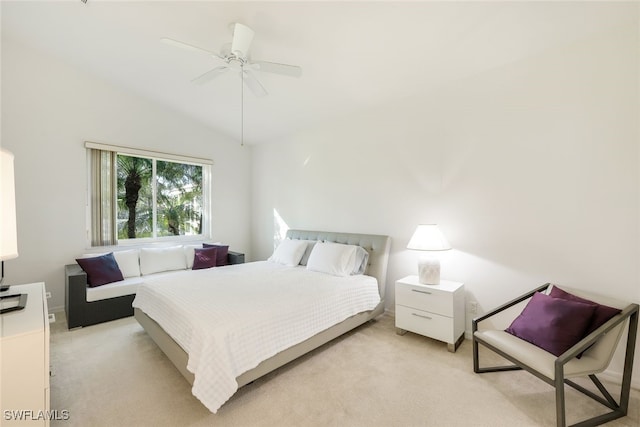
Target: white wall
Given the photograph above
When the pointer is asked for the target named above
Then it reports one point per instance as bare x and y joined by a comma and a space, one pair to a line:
48, 110
530, 169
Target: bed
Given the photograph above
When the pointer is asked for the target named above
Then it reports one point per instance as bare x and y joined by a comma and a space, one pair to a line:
248, 332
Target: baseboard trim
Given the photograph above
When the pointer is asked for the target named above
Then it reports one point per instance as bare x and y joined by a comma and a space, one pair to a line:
616, 378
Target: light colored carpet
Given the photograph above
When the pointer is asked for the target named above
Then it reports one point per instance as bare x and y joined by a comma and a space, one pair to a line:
114, 375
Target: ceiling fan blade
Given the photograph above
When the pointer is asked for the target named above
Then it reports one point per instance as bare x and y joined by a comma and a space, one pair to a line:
187, 46
210, 75
253, 84
242, 37
274, 67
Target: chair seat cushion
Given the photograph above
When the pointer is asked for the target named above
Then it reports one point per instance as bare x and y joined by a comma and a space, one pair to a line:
539, 359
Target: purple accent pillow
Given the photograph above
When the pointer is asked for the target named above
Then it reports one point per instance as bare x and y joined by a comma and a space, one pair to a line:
204, 258
553, 324
223, 251
101, 269
602, 314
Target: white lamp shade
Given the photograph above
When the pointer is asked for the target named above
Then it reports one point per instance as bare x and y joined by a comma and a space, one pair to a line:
8, 238
428, 237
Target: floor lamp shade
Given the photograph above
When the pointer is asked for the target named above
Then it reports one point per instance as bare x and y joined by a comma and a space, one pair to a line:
428, 237
8, 238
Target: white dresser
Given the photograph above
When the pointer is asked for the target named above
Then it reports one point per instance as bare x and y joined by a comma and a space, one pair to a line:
435, 311
24, 360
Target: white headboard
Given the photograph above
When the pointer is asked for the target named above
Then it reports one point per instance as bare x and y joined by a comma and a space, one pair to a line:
377, 246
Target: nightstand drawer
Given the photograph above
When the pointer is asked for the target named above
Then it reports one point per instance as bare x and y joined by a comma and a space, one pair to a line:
425, 298
425, 323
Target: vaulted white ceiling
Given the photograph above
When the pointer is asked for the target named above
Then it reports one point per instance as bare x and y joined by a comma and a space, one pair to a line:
354, 55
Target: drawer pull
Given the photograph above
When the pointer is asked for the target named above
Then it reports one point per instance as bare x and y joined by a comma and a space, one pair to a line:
421, 315
422, 292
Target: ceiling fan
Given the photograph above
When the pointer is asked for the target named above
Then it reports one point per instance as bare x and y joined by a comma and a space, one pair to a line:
236, 58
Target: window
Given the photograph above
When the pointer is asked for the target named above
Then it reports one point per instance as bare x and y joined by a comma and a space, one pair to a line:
139, 196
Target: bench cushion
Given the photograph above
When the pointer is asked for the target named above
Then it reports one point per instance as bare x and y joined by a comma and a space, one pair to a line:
127, 286
128, 262
156, 260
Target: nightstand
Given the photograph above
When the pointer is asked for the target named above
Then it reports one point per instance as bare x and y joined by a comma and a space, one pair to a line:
435, 311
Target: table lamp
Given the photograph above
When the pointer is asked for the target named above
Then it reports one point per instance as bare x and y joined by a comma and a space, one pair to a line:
428, 237
8, 234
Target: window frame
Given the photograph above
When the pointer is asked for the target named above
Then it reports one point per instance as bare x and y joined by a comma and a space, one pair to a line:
155, 156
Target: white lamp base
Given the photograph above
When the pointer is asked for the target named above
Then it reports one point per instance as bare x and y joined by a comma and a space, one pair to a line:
429, 271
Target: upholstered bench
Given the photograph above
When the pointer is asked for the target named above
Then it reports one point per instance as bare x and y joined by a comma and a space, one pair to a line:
86, 305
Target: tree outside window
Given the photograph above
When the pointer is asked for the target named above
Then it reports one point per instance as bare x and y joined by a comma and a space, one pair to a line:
158, 198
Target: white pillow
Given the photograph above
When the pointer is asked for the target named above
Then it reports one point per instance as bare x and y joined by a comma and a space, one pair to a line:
361, 261
190, 253
307, 251
332, 258
128, 262
93, 255
289, 252
155, 260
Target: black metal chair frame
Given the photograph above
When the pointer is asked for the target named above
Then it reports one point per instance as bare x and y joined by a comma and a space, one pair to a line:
618, 409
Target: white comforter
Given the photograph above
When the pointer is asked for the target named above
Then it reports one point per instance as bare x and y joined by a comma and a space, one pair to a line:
229, 319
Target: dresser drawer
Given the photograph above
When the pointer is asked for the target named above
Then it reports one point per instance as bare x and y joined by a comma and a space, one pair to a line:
425, 298
425, 323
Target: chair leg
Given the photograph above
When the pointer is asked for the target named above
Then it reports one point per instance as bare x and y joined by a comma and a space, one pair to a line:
476, 361
628, 362
560, 406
